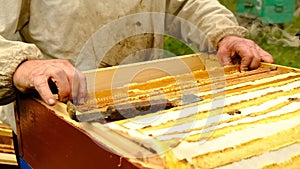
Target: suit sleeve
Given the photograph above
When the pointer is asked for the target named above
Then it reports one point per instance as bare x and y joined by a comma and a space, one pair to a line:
12, 52
192, 19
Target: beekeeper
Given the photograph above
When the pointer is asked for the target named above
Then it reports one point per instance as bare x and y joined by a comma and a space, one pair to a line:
42, 40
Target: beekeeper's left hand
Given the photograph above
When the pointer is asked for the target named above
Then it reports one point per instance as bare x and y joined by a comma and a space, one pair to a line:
231, 47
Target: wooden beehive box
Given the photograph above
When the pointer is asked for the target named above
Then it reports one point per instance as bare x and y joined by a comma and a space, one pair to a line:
231, 102
269, 11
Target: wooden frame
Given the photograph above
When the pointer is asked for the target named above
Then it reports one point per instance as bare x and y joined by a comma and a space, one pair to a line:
48, 138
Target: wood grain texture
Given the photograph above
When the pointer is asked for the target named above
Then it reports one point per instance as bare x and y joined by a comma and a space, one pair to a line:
48, 141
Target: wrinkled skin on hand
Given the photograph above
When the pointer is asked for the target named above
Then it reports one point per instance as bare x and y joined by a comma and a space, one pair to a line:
34, 74
231, 47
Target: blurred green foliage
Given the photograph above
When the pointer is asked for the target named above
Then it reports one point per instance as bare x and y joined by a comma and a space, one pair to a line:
263, 35
175, 47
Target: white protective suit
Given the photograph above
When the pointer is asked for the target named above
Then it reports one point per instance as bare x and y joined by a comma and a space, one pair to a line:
63, 29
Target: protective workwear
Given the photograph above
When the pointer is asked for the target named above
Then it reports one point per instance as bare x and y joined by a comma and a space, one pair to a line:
100, 33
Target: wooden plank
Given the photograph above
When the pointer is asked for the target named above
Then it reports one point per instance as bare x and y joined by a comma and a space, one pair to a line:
8, 159
5, 130
118, 76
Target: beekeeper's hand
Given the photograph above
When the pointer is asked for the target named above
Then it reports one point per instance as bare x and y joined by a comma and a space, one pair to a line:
231, 47
35, 75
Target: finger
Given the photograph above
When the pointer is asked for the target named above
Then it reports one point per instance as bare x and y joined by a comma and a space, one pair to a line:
265, 56
79, 91
75, 87
224, 56
245, 62
59, 77
78, 82
42, 87
255, 63
256, 59
82, 89
268, 59
247, 53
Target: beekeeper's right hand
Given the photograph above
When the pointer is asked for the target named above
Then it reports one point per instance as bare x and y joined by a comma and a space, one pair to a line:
35, 74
